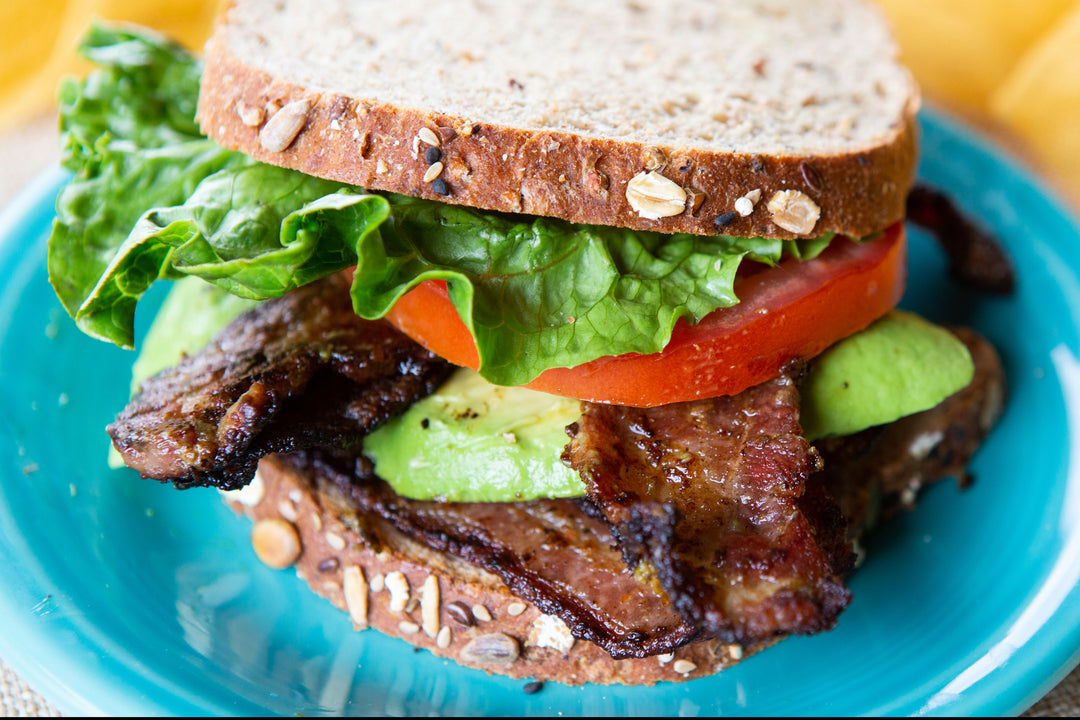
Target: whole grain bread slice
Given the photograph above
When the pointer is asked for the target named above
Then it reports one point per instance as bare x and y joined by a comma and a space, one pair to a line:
773, 118
432, 600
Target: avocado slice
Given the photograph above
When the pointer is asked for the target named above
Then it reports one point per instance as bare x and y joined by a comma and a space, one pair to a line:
900, 365
472, 441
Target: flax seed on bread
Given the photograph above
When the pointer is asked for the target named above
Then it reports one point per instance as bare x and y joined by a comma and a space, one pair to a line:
553, 108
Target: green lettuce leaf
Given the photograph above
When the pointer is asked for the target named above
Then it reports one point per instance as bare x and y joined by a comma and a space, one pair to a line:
575, 292
153, 199
130, 137
255, 231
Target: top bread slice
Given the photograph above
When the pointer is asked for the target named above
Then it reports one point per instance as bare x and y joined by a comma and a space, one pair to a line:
553, 108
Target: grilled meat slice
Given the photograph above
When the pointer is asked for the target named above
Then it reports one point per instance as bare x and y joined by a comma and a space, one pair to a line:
548, 552
717, 497
879, 471
296, 372
976, 258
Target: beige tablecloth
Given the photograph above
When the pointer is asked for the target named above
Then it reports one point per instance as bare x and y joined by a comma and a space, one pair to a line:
30, 149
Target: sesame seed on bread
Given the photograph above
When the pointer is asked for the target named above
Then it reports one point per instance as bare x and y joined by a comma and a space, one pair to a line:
554, 108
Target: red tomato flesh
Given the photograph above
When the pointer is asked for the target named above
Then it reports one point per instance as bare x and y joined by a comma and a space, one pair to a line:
793, 310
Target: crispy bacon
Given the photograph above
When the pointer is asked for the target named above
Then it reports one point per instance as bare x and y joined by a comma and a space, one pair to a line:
879, 471
562, 555
549, 552
976, 257
297, 372
716, 497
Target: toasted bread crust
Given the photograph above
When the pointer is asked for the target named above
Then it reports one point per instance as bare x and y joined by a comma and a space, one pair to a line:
329, 540
557, 174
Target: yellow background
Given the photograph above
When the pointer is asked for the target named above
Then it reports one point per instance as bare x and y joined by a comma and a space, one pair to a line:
1010, 63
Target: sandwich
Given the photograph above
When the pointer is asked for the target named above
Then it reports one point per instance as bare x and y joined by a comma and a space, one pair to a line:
557, 339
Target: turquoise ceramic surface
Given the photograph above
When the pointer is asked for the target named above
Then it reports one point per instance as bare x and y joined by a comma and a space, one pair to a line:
121, 596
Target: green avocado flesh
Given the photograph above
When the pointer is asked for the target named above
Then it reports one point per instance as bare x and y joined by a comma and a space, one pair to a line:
472, 441
898, 366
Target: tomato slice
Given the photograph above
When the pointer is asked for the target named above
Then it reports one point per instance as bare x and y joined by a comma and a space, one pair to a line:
793, 310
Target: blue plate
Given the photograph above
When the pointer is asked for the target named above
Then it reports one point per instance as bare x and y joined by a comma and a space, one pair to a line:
124, 597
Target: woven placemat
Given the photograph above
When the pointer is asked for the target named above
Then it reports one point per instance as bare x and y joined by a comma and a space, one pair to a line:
1062, 701
18, 700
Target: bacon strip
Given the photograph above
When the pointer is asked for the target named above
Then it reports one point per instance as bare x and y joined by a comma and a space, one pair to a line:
875, 473
715, 497
301, 371
548, 552
976, 257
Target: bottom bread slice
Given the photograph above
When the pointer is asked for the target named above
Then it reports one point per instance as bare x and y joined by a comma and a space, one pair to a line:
431, 600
